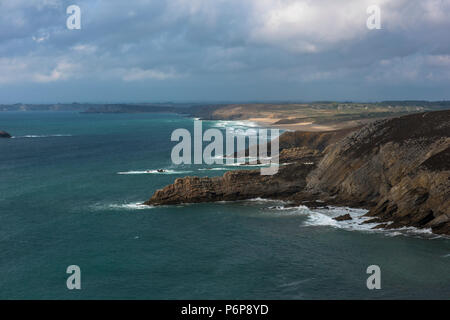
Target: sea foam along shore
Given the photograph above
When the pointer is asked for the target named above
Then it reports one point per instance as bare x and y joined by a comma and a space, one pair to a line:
325, 217
120, 206
153, 171
41, 136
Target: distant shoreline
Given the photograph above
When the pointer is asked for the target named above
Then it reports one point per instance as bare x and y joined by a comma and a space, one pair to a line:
309, 117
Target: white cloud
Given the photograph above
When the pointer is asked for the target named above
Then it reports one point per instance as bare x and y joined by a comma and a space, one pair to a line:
138, 74
32, 69
41, 38
439, 60
84, 48
415, 68
308, 26
62, 71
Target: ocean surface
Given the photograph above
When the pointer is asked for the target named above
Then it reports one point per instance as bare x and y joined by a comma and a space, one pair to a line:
70, 192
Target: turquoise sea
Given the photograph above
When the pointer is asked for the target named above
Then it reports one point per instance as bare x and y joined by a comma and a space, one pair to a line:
70, 189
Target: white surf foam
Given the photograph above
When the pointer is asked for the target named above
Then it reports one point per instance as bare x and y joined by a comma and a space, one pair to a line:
319, 219
244, 124
168, 171
42, 136
243, 164
359, 222
325, 217
247, 163
120, 206
411, 231
261, 200
281, 209
131, 206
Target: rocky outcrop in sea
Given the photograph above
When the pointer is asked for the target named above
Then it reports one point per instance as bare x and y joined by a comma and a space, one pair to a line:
300, 149
4, 134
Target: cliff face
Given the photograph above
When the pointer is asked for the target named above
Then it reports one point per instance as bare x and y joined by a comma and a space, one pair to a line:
312, 140
4, 134
300, 144
301, 149
234, 185
398, 167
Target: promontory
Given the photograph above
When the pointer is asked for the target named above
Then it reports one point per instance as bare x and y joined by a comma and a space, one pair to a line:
397, 168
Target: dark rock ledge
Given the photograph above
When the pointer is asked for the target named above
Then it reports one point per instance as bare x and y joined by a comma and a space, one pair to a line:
4, 134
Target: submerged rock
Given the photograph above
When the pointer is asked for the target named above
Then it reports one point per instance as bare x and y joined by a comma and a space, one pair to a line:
344, 217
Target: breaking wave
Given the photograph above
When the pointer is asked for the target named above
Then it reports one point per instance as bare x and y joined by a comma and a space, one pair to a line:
215, 169
325, 217
166, 171
120, 206
42, 136
244, 124
131, 206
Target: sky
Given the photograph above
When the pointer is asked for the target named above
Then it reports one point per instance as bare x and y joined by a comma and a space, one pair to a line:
223, 50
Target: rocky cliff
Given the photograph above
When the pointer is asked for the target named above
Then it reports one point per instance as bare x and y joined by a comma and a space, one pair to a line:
4, 134
398, 168
234, 185
300, 149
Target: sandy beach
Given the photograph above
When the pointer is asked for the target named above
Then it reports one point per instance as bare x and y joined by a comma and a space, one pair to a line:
308, 126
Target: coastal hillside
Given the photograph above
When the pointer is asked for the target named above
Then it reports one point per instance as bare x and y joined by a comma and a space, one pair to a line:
316, 116
398, 168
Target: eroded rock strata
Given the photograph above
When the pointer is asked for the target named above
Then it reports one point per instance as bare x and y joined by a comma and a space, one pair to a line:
234, 185
302, 150
397, 168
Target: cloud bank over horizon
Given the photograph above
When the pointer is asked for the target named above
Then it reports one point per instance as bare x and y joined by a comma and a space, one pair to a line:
217, 50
